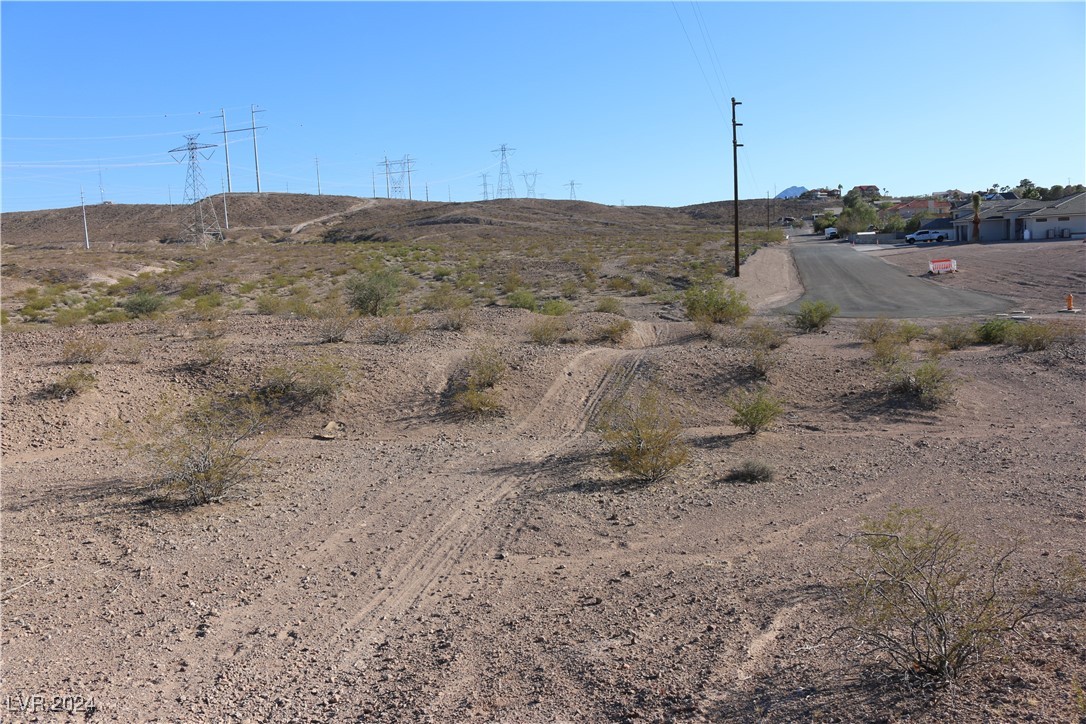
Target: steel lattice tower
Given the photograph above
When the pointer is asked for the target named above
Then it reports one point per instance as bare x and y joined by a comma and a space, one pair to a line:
572, 189
506, 190
529, 183
198, 221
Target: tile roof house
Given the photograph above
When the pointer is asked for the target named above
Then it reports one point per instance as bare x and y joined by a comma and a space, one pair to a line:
909, 209
1010, 219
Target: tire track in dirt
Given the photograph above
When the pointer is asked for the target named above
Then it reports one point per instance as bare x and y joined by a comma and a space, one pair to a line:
569, 407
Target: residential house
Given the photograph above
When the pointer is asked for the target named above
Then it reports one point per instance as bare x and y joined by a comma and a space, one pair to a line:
909, 209
1010, 219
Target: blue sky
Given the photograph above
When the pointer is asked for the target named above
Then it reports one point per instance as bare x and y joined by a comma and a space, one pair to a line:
630, 100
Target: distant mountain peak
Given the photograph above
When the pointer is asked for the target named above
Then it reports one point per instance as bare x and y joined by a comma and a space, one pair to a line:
791, 192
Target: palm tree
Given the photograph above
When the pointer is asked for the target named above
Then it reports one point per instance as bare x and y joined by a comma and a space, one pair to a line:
976, 217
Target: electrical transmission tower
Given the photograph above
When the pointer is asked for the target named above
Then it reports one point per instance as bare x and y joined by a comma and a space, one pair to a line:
572, 189
395, 173
198, 221
529, 183
506, 190
486, 189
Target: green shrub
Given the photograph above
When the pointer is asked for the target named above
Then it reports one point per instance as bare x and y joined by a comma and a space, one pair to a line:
814, 316
889, 352
754, 411
556, 308
1034, 336
204, 454
374, 294
753, 471
996, 331
522, 299
717, 303
609, 305
70, 384
926, 600
908, 331
931, 384
143, 304
644, 437
547, 331
956, 335
644, 287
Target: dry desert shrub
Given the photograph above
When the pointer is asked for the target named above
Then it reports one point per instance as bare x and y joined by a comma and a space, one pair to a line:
643, 434
889, 352
1037, 336
753, 471
996, 331
71, 384
205, 453
874, 331
481, 372
209, 353
395, 330
754, 410
315, 383
955, 335
82, 351
931, 384
547, 331
610, 305
334, 320
445, 297
759, 335
555, 308
614, 332
926, 601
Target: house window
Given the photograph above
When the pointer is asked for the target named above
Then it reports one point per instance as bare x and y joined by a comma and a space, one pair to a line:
1063, 218
1041, 221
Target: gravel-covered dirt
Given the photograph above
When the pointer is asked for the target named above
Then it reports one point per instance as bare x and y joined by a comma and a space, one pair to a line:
426, 567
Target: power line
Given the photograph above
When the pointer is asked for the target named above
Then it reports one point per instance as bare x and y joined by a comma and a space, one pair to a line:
712, 93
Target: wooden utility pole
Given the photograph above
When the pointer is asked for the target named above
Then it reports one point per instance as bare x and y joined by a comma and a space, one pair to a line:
735, 176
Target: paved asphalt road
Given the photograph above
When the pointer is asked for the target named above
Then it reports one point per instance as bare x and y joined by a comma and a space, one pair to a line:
865, 286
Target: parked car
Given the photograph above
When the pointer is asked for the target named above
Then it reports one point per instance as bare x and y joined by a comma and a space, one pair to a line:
831, 233
926, 235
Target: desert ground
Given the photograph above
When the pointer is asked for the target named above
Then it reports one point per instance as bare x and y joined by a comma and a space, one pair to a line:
418, 564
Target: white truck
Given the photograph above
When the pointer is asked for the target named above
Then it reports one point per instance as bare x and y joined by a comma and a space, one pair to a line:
929, 235
831, 232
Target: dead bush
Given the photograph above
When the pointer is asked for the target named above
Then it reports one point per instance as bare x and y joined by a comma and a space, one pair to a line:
643, 434
81, 351
334, 320
925, 600
204, 454
956, 335
753, 471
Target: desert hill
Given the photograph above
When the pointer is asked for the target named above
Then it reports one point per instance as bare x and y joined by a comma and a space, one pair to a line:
278, 216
